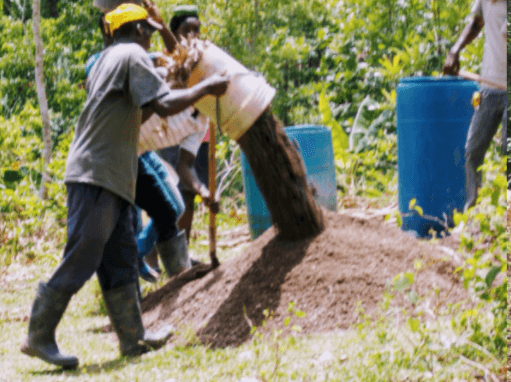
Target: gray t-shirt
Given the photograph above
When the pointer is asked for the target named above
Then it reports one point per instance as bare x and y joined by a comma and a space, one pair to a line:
104, 148
494, 14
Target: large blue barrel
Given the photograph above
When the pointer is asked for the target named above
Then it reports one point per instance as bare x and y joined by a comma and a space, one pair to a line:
433, 116
315, 146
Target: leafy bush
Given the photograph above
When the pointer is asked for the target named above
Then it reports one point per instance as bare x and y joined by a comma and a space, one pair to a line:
485, 241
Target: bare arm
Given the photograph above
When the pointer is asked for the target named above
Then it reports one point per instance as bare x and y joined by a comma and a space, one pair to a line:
180, 99
187, 176
190, 180
469, 33
147, 112
169, 39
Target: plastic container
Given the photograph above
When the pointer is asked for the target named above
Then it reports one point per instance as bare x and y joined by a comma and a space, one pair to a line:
433, 117
315, 146
247, 96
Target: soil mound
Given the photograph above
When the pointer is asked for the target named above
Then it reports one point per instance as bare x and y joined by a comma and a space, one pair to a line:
352, 260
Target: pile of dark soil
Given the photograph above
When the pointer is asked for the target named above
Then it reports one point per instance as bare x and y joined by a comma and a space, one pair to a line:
352, 260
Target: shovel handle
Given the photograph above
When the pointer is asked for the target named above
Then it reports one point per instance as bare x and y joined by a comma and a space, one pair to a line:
478, 78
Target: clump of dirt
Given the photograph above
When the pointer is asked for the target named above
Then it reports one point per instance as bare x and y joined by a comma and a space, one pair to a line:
352, 260
280, 175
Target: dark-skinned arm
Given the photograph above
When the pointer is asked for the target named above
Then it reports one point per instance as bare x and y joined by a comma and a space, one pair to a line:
469, 33
147, 112
187, 176
168, 37
179, 99
192, 182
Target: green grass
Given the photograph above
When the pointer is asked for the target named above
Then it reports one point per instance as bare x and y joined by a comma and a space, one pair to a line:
373, 351
397, 346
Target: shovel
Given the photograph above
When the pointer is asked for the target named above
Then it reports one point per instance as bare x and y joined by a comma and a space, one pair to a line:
478, 78
212, 187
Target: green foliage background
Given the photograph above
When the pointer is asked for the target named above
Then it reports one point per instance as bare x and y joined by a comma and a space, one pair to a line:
348, 54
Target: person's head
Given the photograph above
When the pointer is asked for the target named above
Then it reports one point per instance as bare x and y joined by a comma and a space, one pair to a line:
185, 22
132, 22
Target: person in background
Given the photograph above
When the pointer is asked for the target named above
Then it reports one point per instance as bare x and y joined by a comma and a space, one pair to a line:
491, 15
123, 90
190, 158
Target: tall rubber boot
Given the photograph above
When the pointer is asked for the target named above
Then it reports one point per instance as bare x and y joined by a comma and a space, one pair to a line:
174, 254
473, 181
124, 311
49, 306
152, 260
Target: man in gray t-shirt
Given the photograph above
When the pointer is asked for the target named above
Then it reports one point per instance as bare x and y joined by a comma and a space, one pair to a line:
492, 15
123, 89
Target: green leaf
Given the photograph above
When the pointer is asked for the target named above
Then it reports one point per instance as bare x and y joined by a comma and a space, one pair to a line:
413, 324
286, 321
419, 210
490, 276
339, 137
403, 281
399, 220
500, 182
457, 218
12, 176
300, 314
412, 204
495, 196
296, 328
413, 297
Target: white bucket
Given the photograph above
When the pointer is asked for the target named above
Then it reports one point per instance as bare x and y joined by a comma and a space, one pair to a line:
247, 96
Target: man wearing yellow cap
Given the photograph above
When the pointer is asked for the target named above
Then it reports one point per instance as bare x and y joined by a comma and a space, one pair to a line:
123, 89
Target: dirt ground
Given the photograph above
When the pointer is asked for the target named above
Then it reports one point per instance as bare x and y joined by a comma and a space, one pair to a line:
352, 260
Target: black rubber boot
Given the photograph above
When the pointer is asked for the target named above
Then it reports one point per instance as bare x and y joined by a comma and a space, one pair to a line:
49, 306
124, 311
174, 254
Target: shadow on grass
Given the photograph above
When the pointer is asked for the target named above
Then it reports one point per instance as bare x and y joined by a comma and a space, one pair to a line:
94, 368
257, 290
170, 291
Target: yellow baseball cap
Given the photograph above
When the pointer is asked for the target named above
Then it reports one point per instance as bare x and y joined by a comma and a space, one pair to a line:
126, 13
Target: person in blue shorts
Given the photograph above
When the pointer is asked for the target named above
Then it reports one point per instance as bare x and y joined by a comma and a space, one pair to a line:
190, 158
191, 161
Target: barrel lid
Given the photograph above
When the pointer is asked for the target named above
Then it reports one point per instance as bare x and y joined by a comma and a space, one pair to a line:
423, 79
305, 128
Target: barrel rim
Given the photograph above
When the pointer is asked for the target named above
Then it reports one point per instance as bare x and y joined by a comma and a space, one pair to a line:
433, 79
306, 128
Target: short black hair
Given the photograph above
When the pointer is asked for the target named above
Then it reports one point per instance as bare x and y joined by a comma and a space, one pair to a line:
128, 29
101, 22
176, 22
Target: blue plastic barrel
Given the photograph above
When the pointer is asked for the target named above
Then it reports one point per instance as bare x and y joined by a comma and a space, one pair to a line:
315, 146
433, 117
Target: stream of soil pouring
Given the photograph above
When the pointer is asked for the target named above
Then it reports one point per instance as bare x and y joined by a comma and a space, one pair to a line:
280, 175
353, 259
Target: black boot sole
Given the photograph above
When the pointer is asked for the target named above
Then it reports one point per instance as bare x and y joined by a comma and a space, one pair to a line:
25, 349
